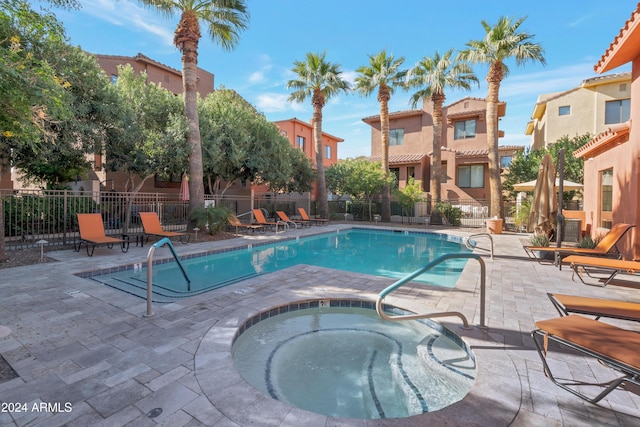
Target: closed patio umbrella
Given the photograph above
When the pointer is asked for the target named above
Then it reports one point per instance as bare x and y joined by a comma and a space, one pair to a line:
544, 205
184, 188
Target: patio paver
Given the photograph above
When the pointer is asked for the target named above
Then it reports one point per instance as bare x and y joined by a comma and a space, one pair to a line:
74, 340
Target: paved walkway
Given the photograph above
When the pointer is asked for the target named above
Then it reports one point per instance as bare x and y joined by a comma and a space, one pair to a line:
90, 348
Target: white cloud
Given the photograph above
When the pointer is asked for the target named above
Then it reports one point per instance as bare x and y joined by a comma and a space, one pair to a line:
276, 102
256, 77
124, 13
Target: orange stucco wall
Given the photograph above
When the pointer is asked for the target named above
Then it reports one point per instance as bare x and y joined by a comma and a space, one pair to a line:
625, 161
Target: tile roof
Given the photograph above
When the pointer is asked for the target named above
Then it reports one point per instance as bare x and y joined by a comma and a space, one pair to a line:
624, 47
394, 115
401, 158
615, 135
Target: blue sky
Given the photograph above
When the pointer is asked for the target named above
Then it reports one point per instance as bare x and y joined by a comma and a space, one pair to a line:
574, 34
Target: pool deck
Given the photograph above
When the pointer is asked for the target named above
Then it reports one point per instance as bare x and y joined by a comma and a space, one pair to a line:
77, 342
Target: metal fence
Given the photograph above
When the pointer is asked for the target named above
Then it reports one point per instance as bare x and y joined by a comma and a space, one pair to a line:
34, 215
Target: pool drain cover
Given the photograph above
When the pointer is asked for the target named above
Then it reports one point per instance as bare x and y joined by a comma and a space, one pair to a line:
154, 412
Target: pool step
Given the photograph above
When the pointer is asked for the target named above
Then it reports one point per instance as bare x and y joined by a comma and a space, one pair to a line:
161, 294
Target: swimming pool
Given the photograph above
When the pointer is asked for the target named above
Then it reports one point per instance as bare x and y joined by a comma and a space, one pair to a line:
339, 358
386, 253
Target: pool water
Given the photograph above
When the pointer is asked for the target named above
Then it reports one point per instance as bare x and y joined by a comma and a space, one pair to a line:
381, 253
348, 362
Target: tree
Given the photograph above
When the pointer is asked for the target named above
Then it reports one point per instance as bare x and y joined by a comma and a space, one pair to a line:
152, 132
501, 42
241, 144
410, 195
382, 73
318, 80
93, 110
358, 178
524, 166
433, 76
32, 95
224, 19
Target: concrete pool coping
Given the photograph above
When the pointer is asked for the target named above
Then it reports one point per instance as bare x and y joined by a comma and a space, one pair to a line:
73, 339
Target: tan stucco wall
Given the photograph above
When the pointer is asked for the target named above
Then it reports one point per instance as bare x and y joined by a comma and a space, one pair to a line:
587, 112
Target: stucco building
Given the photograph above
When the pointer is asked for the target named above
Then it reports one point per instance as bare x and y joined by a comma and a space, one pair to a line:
465, 162
612, 158
592, 107
300, 135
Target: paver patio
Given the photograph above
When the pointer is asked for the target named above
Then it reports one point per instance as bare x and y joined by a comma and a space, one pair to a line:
89, 347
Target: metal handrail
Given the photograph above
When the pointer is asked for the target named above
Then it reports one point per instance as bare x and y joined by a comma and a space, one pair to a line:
152, 249
420, 271
466, 242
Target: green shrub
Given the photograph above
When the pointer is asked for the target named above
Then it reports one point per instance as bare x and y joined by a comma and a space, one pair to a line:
588, 242
539, 239
214, 219
451, 214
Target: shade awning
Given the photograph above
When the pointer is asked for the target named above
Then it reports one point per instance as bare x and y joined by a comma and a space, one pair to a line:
531, 185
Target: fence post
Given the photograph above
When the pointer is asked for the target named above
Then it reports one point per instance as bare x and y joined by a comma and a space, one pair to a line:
65, 217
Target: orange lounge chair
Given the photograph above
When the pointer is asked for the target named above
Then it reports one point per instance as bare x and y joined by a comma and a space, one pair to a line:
607, 266
92, 234
614, 347
605, 247
235, 222
261, 220
305, 217
284, 217
152, 227
567, 304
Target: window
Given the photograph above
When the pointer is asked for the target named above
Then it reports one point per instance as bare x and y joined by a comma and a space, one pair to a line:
464, 129
114, 79
617, 111
505, 161
606, 198
396, 137
565, 110
411, 172
300, 142
395, 173
327, 151
471, 176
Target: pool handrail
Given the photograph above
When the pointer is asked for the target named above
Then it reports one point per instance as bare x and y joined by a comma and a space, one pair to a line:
162, 242
468, 245
422, 270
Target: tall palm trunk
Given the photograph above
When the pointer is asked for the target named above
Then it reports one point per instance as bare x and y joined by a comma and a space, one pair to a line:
494, 77
383, 98
321, 196
436, 156
187, 38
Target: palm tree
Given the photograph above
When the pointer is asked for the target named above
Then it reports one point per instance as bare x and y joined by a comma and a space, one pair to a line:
319, 80
501, 42
432, 76
382, 73
223, 19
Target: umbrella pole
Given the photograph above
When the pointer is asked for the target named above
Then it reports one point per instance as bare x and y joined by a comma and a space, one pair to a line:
559, 216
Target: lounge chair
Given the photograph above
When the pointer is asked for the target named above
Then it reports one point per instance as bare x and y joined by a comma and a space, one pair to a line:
597, 307
606, 246
92, 234
284, 217
152, 227
235, 222
593, 265
261, 220
305, 217
614, 347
